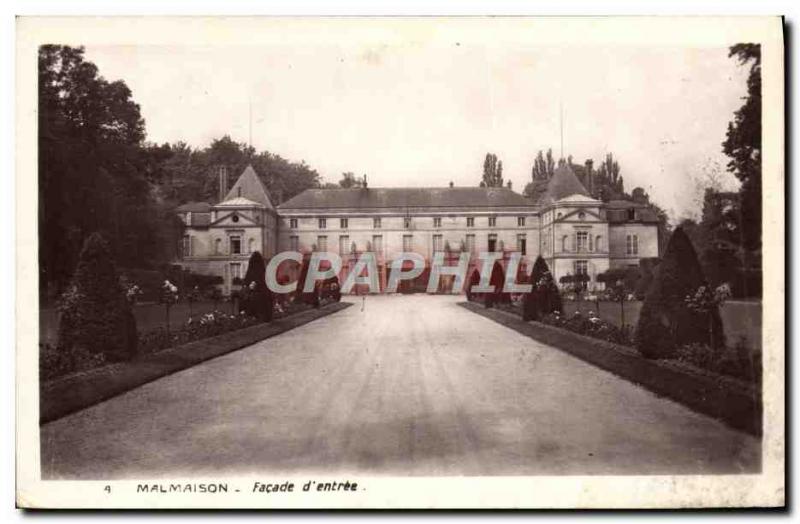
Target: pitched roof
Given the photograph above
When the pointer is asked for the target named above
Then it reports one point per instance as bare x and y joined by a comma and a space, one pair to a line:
194, 207
250, 186
239, 202
562, 184
406, 197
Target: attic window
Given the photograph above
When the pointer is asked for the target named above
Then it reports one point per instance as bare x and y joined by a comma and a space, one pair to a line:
631, 214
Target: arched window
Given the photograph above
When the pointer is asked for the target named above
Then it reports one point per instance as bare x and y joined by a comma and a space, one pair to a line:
251, 244
218, 246
564, 240
597, 243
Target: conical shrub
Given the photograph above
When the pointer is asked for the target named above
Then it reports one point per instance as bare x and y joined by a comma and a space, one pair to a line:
666, 322
544, 298
96, 317
259, 298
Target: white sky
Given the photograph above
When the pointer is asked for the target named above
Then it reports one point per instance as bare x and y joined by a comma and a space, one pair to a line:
425, 115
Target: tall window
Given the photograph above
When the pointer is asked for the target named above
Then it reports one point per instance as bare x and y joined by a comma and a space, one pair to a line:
522, 242
492, 247
632, 244
631, 214
343, 223
408, 243
218, 246
470, 243
251, 245
598, 246
521, 221
582, 239
564, 246
323, 223
492, 221
437, 222
236, 270
470, 221
344, 244
293, 223
377, 243
581, 267
437, 243
294, 243
236, 245
376, 222
187, 246
322, 243
407, 222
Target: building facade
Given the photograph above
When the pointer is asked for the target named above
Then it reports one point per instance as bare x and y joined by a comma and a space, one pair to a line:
572, 231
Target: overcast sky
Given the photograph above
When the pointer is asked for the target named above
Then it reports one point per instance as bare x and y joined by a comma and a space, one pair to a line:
426, 115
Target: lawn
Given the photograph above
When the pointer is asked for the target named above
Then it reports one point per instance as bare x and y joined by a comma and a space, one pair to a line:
741, 319
148, 317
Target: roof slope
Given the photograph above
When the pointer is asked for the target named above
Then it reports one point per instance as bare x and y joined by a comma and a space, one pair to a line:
562, 184
403, 197
249, 186
194, 207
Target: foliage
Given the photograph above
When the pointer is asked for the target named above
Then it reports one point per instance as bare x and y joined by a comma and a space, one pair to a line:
666, 322
627, 276
349, 180
739, 361
208, 325
55, 362
647, 271
590, 325
96, 317
258, 300
492, 171
544, 298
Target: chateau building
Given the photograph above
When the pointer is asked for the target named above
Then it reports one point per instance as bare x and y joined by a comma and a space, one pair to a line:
574, 232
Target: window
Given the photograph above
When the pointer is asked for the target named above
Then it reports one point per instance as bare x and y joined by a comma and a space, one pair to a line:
407, 222
492, 243
376, 223
294, 243
251, 245
293, 223
631, 214
470, 221
344, 244
564, 244
377, 243
323, 224
236, 245
522, 242
218, 246
322, 243
632, 244
492, 221
437, 243
591, 247
343, 223
187, 246
236, 270
235, 218
521, 221
582, 238
470, 243
597, 243
408, 243
437, 222
581, 267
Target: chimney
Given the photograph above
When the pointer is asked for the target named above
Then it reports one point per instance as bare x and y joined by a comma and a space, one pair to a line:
365, 181
590, 176
451, 183
223, 182
508, 184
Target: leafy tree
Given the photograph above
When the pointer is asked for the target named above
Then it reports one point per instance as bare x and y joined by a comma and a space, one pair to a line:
544, 298
492, 171
96, 316
666, 322
743, 146
258, 298
349, 180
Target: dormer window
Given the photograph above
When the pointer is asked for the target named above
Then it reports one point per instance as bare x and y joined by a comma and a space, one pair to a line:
631, 214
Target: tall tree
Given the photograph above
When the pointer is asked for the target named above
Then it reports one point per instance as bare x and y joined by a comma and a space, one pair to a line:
492, 171
349, 180
743, 146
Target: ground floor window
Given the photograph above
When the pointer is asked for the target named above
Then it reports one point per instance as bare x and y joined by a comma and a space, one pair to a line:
492, 246
294, 243
437, 243
581, 267
522, 244
377, 243
408, 243
322, 243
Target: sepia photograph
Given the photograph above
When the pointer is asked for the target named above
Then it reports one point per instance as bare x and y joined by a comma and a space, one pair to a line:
338, 262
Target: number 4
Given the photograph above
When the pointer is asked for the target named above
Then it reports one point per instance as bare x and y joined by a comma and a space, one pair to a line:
107, 489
